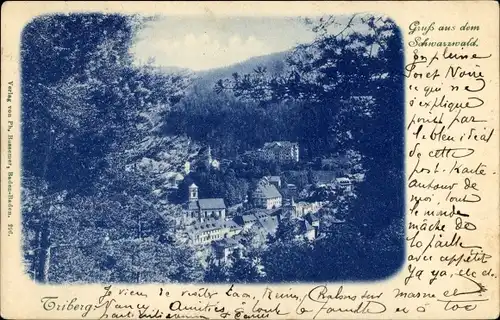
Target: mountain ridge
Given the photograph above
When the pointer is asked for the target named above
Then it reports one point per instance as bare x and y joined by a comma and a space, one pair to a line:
274, 63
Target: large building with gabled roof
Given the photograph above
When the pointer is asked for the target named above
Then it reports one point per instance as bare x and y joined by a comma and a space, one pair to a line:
266, 195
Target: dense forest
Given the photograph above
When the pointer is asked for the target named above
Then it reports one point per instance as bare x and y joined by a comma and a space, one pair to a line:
90, 115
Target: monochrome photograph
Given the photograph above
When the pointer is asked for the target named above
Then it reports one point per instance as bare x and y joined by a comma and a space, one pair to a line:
195, 149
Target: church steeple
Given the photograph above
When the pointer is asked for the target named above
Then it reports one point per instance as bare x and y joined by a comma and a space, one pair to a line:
193, 192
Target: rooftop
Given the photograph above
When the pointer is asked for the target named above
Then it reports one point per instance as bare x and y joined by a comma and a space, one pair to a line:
269, 223
343, 180
227, 243
274, 144
211, 203
213, 224
248, 218
268, 190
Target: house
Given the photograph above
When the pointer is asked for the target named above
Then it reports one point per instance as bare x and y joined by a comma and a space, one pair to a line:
267, 225
266, 155
246, 221
211, 230
276, 180
252, 216
276, 151
174, 179
344, 183
224, 248
302, 208
203, 209
266, 195
282, 151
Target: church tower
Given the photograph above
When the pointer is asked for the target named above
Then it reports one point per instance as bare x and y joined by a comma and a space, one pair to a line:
193, 192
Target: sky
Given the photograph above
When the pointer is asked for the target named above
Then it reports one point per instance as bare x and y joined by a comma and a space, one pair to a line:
207, 42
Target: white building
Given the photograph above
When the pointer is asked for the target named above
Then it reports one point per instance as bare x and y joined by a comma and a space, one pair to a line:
277, 151
344, 184
212, 230
282, 151
302, 208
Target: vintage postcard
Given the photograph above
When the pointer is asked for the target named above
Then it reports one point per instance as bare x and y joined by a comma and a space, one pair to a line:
250, 160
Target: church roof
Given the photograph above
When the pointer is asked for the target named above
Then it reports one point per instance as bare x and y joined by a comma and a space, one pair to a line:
211, 203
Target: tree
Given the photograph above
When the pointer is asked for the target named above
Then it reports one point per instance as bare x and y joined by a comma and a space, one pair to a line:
89, 117
289, 261
216, 272
244, 267
54, 49
288, 229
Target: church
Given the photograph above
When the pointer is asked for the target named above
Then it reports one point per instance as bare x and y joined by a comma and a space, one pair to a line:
200, 210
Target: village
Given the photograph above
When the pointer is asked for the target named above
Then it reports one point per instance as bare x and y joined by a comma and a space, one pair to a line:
209, 223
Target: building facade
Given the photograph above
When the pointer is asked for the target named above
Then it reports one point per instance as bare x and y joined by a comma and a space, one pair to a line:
224, 248
266, 195
300, 209
212, 230
282, 151
344, 184
277, 151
